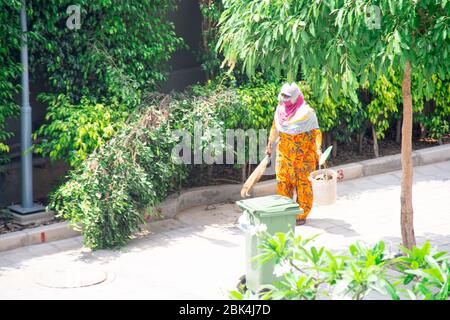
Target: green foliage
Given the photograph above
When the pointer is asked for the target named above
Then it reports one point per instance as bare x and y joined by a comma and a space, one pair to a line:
341, 55
74, 131
10, 67
332, 37
120, 49
116, 39
110, 193
429, 270
209, 106
211, 11
434, 110
225, 105
307, 272
258, 99
384, 104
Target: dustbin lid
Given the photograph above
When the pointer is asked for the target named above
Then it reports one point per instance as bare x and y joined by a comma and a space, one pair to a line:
270, 205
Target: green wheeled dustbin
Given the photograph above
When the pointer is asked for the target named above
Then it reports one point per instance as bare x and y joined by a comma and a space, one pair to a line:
273, 213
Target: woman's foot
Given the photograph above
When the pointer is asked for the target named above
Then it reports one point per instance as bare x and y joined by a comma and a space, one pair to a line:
300, 222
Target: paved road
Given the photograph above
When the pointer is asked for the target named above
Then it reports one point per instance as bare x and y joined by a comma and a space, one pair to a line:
200, 255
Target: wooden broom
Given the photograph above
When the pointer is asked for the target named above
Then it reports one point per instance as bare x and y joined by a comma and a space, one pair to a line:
255, 177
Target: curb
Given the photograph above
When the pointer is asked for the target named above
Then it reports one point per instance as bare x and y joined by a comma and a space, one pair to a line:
176, 203
42, 234
231, 192
391, 163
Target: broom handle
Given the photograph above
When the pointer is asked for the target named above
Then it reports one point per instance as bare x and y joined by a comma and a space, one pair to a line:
274, 146
276, 141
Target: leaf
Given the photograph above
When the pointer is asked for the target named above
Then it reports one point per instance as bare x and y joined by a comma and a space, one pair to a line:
439, 255
312, 30
418, 272
325, 155
411, 294
235, 295
294, 28
305, 37
339, 19
424, 290
391, 290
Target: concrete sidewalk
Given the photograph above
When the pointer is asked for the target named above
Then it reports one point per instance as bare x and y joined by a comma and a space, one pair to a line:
200, 254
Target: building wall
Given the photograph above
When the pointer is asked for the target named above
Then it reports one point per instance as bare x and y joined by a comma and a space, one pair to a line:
185, 68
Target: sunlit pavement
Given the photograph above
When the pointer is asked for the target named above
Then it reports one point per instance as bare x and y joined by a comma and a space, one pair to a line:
200, 254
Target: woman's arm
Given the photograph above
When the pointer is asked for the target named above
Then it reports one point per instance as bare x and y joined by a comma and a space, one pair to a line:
318, 141
272, 137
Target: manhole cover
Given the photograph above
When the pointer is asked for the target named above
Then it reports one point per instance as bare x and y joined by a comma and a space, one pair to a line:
74, 277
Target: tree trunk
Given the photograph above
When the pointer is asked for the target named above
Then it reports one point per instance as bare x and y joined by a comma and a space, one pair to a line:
398, 131
328, 139
210, 172
375, 142
244, 175
357, 140
407, 221
423, 131
361, 139
334, 150
427, 109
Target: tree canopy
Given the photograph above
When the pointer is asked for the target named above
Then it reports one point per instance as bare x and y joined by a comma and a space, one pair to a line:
336, 42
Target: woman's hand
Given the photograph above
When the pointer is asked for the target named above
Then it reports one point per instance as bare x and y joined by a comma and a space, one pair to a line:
269, 150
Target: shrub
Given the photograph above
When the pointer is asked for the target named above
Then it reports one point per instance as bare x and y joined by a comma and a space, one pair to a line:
211, 11
433, 111
115, 40
110, 192
74, 131
119, 49
308, 273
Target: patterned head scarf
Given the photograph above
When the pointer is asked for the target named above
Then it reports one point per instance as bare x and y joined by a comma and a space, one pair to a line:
291, 98
293, 115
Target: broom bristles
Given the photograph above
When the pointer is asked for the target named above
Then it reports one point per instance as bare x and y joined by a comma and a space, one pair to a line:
254, 177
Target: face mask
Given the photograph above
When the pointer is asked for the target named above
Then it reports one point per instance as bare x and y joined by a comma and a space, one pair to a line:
285, 99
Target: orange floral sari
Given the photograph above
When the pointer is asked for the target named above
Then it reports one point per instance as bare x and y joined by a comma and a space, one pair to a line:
296, 158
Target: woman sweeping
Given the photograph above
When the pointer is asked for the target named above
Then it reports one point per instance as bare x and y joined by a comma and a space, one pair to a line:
299, 147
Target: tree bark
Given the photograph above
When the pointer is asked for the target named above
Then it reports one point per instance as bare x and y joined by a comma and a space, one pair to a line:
328, 139
375, 143
334, 150
209, 171
244, 175
423, 131
361, 139
407, 222
427, 109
